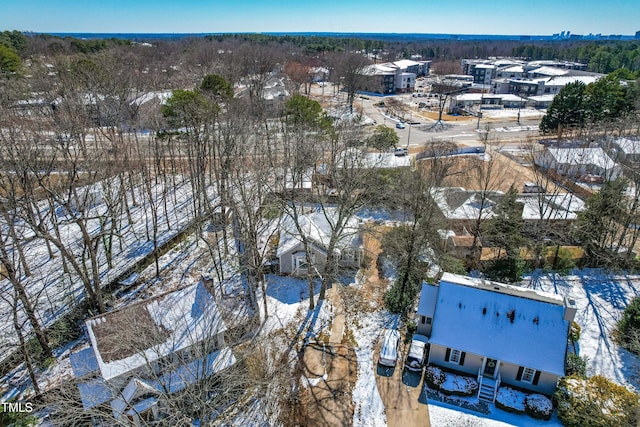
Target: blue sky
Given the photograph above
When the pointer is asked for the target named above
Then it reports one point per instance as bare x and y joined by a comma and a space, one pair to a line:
543, 17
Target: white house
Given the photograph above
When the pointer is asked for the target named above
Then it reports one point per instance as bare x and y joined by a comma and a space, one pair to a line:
579, 162
626, 149
501, 334
147, 350
316, 228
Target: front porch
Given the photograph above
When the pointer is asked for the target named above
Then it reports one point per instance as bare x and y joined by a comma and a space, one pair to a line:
489, 380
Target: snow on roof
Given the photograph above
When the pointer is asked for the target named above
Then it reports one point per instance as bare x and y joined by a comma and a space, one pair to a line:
550, 206
377, 69
628, 146
550, 71
316, 227
83, 362
159, 326
428, 297
94, 393
160, 96
542, 98
481, 96
503, 322
459, 203
485, 66
565, 80
405, 63
582, 156
513, 69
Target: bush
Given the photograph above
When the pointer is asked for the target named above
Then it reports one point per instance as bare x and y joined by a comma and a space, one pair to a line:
574, 332
506, 270
458, 385
627, 332
399, 299
510, 400
412, 327
538, 406
595, 402
575, 366
434, 377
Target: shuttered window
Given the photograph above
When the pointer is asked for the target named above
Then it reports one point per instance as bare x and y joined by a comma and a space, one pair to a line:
455, 356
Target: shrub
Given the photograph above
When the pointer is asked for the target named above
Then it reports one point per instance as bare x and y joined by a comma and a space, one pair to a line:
457, 385
411, 329
574, 332
538, 406
627, 332
575, 365
510, 400
561, 261
399, 299
434, 377
595, 402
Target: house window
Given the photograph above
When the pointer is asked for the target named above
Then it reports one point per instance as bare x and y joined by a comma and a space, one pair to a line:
527, 375
455, 356
300, 262
348, 255
428, 320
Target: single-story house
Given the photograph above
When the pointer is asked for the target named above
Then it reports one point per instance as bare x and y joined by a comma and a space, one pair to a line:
625, 149
148, 350
579, 162
459, 208
316, 229
498, 333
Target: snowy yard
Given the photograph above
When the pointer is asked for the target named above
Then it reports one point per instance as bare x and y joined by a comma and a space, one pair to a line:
600, 298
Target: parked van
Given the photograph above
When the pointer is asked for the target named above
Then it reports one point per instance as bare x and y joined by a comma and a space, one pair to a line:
389, 349
417, 355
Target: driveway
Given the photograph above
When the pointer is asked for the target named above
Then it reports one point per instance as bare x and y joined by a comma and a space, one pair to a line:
400, 396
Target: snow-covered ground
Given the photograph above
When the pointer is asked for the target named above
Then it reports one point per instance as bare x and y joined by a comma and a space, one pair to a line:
443, 415
600, 297
53, 292
368, 407
512, 113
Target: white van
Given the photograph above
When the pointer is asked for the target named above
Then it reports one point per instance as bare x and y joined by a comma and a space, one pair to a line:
417, 355
389, 349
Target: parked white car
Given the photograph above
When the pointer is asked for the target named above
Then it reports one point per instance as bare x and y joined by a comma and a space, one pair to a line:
417, 355
389, 349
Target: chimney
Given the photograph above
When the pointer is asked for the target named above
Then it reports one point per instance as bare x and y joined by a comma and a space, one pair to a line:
570, 309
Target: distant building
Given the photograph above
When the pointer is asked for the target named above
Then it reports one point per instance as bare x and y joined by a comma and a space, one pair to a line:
582, 163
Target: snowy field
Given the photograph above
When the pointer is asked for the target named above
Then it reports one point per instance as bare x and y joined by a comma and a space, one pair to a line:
506, 113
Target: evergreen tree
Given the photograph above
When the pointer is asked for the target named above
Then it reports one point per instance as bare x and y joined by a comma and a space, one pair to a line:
598, 226
566, 110
504, 230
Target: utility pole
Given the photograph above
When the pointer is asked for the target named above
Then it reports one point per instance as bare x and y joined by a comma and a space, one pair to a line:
409, 136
